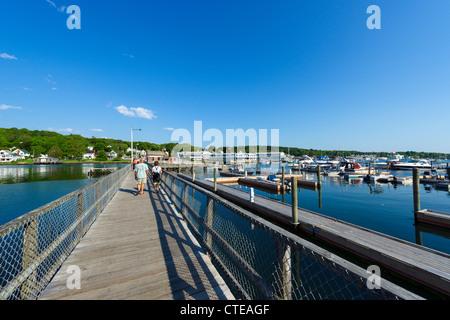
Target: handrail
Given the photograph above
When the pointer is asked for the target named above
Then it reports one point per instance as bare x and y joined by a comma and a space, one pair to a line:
34, 246
278, 258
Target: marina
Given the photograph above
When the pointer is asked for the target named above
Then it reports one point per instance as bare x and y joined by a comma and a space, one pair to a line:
387, 251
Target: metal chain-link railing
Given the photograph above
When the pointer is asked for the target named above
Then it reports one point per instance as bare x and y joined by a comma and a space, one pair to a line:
260, 260
34, 246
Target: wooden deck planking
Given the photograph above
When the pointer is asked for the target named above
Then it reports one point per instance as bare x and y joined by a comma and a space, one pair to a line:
139, 248
422, 264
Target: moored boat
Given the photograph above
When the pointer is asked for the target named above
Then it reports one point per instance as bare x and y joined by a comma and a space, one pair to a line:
401, 165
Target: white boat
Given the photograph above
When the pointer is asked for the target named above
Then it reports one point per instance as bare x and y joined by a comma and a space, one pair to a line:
401, 165
381, 177
355, 169
305, 160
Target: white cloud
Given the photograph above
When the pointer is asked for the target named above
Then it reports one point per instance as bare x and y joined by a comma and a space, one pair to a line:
52, 4
97, 130
128, 55
169, 129
7, 56
5, 107
136, 112
61, 130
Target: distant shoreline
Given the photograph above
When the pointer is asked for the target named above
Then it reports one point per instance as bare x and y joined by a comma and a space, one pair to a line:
66, 162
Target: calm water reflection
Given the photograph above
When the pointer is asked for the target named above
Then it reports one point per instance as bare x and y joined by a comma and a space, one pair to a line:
24, 188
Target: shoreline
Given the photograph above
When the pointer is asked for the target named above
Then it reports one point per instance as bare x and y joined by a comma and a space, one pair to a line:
65, 162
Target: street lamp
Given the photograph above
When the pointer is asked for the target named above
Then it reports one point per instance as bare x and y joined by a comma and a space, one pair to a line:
132, 143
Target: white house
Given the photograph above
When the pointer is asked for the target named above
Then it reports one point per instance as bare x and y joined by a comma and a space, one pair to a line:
89, 154
112, 155
21, 153
6, 156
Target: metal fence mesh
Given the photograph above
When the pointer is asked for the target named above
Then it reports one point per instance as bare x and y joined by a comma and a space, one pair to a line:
33, 246
262, 261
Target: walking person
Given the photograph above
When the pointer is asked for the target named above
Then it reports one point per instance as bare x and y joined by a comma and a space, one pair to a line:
156, 176
141, 174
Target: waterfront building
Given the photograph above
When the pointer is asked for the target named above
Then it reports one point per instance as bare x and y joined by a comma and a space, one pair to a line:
111, 155
44, 159
6, 156
21, 153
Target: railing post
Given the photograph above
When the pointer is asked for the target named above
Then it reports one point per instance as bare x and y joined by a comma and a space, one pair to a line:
98, 188
215, 180
294, 195
29, 254
209, 219
185, 200
283, 265
80, 211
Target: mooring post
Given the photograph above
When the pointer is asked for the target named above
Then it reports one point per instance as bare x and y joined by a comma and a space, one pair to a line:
282, 179
294, 200
416, 190
319, 179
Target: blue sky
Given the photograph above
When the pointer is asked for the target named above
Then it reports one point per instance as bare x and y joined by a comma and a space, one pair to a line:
310, 68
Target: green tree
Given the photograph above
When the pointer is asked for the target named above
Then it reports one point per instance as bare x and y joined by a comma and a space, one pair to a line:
55, 152
75, 147
101, 156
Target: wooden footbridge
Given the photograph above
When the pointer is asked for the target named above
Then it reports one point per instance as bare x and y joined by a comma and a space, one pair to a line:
139, 248
191, 241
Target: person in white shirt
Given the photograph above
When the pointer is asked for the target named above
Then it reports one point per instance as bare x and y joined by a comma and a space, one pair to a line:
156, 176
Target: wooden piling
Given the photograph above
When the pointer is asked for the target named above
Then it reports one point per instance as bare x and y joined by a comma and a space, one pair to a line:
319, 180
283, 183
294, 200
416, 190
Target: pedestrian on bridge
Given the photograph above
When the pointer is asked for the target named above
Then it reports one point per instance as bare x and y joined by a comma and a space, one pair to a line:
156, 176
141, 175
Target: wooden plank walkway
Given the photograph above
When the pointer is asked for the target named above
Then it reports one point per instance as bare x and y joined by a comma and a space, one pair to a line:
139, 248
424, 265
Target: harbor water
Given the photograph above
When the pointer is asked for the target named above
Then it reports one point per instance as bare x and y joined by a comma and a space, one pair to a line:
24, 188
382, 207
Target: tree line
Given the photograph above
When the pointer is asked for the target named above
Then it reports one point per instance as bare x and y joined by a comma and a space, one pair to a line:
73, 146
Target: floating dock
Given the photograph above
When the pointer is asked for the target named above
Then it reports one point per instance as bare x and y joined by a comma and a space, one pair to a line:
437, 218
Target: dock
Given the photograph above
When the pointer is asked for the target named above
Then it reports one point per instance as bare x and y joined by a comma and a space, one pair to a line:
437, 218
423, 265
139, 248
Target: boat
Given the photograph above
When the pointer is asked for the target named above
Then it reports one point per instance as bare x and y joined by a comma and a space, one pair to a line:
243, 171
354, 169
305, 160
382, 177
401, 165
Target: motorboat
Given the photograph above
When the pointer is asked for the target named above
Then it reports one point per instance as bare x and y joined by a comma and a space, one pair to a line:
305, 160
354, 168
382, 177
243, 171
402, 165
